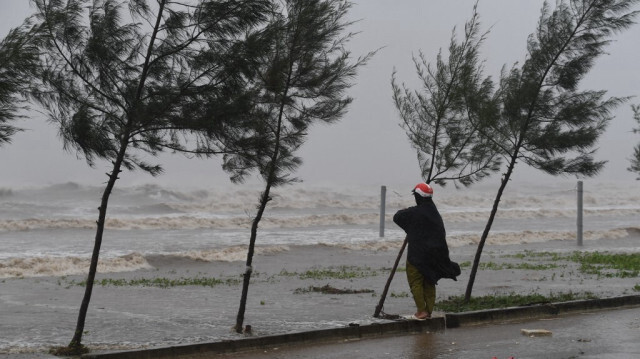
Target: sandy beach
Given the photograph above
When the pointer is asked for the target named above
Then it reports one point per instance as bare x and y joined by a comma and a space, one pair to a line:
182, 301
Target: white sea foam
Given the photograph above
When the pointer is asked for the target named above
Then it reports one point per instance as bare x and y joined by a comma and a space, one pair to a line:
229, 254
60, 266
73, 265
54, 223
292, 220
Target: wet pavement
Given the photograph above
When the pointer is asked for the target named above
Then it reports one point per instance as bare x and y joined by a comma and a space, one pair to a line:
602, 335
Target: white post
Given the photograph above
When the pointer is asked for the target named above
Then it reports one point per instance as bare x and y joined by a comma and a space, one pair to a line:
383, 195
580, 213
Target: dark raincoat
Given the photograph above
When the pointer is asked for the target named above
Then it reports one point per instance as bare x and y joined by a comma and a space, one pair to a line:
428, 250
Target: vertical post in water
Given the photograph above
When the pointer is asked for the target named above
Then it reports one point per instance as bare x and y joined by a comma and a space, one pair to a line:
579, 213
383, 195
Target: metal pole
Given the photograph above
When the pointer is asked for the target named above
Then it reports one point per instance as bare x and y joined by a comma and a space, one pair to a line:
383, 195
580, 213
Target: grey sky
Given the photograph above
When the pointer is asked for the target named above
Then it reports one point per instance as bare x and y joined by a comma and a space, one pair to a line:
367, 146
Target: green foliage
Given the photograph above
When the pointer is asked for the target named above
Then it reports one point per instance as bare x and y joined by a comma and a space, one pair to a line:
303, 70
169, 79
302, 77
544, 120
445, 120
636, 288
18, 59
127, 79
635, 160
455, 304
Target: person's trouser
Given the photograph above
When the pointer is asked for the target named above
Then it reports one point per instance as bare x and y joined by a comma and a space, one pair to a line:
424, 293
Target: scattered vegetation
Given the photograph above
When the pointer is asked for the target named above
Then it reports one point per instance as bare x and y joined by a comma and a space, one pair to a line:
457, 304
328, 289
161, 282
602, 264
342, 272
531, 254
399, 295
502, 266
69, 350
636, 288
608, 264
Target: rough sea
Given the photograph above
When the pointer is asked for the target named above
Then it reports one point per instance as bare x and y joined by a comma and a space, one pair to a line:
49, 231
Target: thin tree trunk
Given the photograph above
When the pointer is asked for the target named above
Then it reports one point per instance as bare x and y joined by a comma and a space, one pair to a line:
487, 228
247, 273
76, 342
376, 314
263, 205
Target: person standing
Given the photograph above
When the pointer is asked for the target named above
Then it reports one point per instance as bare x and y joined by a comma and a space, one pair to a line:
427, 254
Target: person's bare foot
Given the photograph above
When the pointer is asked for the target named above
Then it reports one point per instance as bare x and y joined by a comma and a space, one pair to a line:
422, 315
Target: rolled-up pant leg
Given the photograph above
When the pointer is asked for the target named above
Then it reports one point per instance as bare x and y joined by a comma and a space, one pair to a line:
424, 293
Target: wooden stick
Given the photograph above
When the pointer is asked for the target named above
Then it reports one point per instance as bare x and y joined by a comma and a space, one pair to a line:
376, 314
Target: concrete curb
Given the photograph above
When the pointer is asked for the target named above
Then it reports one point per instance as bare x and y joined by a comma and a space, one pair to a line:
316, 336
453, 320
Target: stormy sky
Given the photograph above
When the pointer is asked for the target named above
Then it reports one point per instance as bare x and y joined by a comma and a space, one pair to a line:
367, 146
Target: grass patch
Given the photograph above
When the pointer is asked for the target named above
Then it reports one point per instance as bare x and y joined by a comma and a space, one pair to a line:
455, 304
503, 266
343, 272
608, 264
160, 282
399, 295
537, 255
327, 289
601, 264
636, 288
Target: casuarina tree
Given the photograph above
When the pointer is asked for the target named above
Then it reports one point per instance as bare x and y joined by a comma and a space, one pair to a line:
635, 160
545, 120
18, 58
444, 120
125, 80
303, 77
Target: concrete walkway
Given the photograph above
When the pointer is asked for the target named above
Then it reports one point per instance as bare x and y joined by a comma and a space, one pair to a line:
474, 328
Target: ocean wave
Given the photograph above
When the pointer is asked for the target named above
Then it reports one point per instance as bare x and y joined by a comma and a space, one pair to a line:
289, 221
73, 265
61, 266
229, 254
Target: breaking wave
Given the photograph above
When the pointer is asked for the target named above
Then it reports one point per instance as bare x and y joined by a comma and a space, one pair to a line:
229, 254
290, 221
73, 265
61, 266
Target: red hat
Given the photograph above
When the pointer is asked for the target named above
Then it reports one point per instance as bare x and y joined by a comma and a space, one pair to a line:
423, 189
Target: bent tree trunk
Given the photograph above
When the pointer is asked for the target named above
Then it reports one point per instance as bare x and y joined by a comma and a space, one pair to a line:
76, 342
264, 199
485, 233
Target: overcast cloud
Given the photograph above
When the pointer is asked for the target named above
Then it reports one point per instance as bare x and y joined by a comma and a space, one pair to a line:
367, 146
